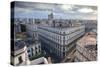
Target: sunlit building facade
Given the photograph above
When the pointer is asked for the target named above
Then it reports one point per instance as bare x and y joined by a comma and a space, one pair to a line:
86, 48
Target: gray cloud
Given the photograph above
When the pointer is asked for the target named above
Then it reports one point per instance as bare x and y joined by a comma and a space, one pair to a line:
30, 7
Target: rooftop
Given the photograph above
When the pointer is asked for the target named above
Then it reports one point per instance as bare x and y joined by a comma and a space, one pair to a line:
21, 35
62, 30
18, 45
88, 42
30, 42
87, 45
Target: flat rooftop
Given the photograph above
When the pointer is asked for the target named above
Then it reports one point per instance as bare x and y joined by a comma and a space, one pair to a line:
30, 42
88, 41
62, 30
19, 45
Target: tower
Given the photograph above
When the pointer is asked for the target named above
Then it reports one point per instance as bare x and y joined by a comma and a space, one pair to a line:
50, 19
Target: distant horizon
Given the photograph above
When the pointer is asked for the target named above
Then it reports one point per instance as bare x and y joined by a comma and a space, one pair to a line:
42, 10
54, 19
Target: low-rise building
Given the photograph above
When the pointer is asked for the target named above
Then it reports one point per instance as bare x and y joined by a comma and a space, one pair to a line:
33, 47
18, 53
41, 60
86, 48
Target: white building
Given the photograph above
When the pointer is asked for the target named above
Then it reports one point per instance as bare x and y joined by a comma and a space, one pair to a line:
58, 40
18, 53
41, 60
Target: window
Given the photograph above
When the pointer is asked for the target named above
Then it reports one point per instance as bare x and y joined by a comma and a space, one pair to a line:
64, 33
29, 56
56, 37
35, 48
60, 39
20, 59
63, 53
31, 49
39, 46
28, 50
36, 52
63, 39
63, 49
58, 46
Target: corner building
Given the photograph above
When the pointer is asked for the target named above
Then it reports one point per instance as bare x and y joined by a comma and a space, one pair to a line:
59, 40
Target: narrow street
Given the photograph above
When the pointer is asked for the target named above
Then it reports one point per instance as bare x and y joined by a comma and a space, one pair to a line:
70, 57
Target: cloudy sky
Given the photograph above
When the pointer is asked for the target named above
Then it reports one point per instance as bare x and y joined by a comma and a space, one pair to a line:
64, 11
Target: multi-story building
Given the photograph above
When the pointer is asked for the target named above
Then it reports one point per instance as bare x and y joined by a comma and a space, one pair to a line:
89, 24
33, 47
32, 30
86, 48
57, 40
17, 27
